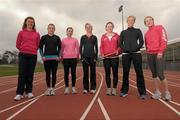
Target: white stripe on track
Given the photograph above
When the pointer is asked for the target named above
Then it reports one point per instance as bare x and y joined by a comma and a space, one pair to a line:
14, 106
14, 88
93, 100
175, 103
22, 109
162, 101
33, 101
170, 83
103, 110
9, 108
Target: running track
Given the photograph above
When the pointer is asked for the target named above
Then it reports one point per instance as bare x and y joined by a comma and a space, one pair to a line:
97, 106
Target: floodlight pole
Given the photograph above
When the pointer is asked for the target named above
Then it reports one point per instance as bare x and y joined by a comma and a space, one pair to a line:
122, 11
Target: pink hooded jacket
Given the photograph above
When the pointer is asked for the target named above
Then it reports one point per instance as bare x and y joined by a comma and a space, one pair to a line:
156, 40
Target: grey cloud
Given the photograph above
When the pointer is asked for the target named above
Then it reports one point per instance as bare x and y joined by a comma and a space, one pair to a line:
76, 13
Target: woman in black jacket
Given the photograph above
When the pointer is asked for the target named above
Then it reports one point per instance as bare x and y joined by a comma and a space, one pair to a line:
131, 43
89, 53
50, 46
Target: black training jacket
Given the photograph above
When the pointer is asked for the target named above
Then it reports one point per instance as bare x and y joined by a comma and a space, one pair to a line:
131, 40
50, 45
89, 47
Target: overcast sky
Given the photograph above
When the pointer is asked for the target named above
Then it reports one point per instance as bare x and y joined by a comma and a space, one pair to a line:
76, 13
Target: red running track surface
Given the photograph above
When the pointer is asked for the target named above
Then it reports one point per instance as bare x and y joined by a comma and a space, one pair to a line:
96, 106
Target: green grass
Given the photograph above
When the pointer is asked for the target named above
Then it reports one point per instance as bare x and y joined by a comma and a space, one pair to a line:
9, 70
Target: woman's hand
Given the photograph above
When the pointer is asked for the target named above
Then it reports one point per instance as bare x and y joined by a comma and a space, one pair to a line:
159, 56
43, 59
58, 59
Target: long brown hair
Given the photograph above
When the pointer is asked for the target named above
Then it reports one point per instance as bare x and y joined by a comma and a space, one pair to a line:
109, 23
25, 20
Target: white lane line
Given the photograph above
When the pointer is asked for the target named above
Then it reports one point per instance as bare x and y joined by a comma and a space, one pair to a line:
168, 105
8, 90
37, 74
103, 110
37, 78
15, 82
174, 84
9, 108
14, 88
175, 103
14, 76
170, 84
165, 103
14, 106
22, 109
93, 100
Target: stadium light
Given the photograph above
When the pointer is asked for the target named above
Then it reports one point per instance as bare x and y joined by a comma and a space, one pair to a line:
121, 10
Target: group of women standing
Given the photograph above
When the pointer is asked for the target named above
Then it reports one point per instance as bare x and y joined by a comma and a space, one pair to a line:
128, 43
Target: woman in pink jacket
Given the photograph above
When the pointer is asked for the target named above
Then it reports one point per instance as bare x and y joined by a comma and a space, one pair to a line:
27, 43
109, 50
156, 43
70, 54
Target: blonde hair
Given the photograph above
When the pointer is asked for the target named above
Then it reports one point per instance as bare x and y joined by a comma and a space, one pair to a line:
51, 24
132, 16
147, 18
88, 24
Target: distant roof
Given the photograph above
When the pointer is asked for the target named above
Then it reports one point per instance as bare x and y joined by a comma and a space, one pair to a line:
171, 43
174, 43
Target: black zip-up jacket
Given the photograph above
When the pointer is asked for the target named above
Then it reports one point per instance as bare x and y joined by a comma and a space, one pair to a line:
89, 47
131, 40
50, 45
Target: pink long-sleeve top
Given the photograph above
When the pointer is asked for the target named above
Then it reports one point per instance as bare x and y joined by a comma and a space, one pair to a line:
69, 48
109, 45
28, 42
156, 40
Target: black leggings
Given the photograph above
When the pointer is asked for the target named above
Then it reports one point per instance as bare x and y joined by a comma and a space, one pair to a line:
89, 63
136, 58
156, 66
114, 63
27, 63
70, 64
50, 67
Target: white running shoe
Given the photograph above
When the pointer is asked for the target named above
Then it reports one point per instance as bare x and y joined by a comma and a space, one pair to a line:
30, 95
48, 92
156, 95
123, 94
18, 97
52, 92
93, 91
74, 90
85, 91
167, 96
108, 91
66, 91
114, 92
